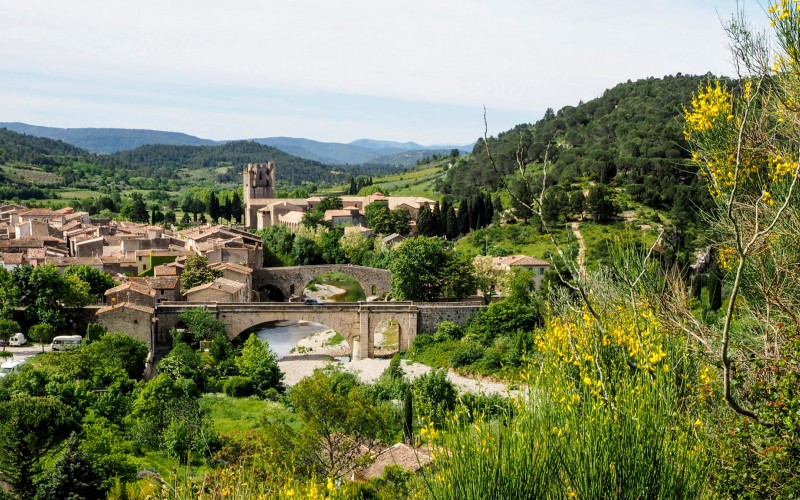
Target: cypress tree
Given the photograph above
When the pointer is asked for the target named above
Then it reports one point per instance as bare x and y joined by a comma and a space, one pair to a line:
424, 221
436, 217
213, 207
452, 223
488, 214
463, 217
237, 209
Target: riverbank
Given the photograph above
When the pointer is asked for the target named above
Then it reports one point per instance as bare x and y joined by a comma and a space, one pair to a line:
321, 348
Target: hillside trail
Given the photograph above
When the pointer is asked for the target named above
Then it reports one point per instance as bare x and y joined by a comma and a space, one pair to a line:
581, 247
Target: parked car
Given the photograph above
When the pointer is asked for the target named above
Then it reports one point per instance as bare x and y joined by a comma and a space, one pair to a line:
64, 342
18, 339
10, 367
312, 302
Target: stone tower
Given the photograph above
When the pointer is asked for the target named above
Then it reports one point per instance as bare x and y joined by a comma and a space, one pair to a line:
259, 186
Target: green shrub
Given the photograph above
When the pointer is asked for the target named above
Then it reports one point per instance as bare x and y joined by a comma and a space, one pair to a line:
238, 387
466, 355
447, 330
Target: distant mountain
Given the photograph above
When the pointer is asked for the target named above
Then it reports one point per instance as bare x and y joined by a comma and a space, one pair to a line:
384, 145
332, 153
108, 140
360, 152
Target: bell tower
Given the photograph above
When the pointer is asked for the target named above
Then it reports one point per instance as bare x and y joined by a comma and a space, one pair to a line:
259, 184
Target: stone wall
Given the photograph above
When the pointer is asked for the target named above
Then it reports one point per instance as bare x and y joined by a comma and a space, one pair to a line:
430, 315
128, 321
374, 281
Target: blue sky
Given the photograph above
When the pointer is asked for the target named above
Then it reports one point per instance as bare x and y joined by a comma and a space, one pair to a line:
407, 70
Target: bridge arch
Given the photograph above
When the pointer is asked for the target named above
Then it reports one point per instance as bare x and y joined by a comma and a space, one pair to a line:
291, 280
356, 322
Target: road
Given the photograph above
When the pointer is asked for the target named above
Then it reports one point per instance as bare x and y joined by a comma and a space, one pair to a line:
25, 351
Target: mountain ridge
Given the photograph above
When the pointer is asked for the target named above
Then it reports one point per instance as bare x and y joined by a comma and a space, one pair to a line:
114, 140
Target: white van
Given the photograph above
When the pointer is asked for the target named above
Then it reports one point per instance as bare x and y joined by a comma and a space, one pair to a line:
64, 342
10, 367
18, 339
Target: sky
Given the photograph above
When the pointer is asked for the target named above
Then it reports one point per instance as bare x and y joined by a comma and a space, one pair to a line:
410, 70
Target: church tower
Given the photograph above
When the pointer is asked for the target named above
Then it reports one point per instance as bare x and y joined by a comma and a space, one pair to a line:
259, 185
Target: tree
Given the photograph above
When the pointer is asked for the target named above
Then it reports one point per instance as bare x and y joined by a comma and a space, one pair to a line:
200, 325
487, 277
42, 333
46, 295
72, 476
401, 221
451, 224
341, 425
330, 202
196, 272
379, 217
258, 362
744, 140
8, 327
599, 204
97, 280
213, 207
29, 428
424, 225
138, 208
305, 252
423, 268
237, 209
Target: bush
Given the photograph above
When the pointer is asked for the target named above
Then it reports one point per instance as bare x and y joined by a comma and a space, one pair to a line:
434, 394
447, 330
466, 355
238, 387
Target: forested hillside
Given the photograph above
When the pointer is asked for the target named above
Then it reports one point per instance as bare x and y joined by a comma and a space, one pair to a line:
629, 137
107, 140
36, 167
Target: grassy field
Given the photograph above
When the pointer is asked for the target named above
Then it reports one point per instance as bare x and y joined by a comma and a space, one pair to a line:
236, 415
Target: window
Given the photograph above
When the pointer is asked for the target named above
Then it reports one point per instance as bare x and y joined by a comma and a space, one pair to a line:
541, 271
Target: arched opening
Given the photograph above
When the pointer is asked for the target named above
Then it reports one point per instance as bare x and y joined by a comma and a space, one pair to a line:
292, 339
386, 338
334, 287
271, 293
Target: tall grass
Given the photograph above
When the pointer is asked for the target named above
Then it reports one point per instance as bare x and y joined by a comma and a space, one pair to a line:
564, 441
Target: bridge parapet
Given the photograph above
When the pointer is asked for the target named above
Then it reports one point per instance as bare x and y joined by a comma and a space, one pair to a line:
355, 321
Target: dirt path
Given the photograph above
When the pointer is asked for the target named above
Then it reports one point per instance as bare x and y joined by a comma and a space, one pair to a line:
581, 247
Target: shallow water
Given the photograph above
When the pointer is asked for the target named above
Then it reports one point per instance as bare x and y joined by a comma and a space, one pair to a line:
283, 337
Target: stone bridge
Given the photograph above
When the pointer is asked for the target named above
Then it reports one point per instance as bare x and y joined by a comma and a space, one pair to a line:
291, 280
355, 321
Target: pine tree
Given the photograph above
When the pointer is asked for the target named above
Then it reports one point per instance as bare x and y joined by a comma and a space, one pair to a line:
72, 476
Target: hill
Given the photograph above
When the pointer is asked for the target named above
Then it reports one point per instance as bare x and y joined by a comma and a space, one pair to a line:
629, 138
108, 140
360, 152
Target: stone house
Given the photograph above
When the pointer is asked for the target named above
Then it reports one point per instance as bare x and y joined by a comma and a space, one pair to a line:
131, 292
219, 290
238, 273
131, 319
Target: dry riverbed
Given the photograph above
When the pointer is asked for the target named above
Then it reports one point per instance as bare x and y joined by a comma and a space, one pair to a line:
316, 351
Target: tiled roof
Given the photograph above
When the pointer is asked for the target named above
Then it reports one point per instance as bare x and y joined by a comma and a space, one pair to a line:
233, 266
132, 286
228, 286
128, 305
